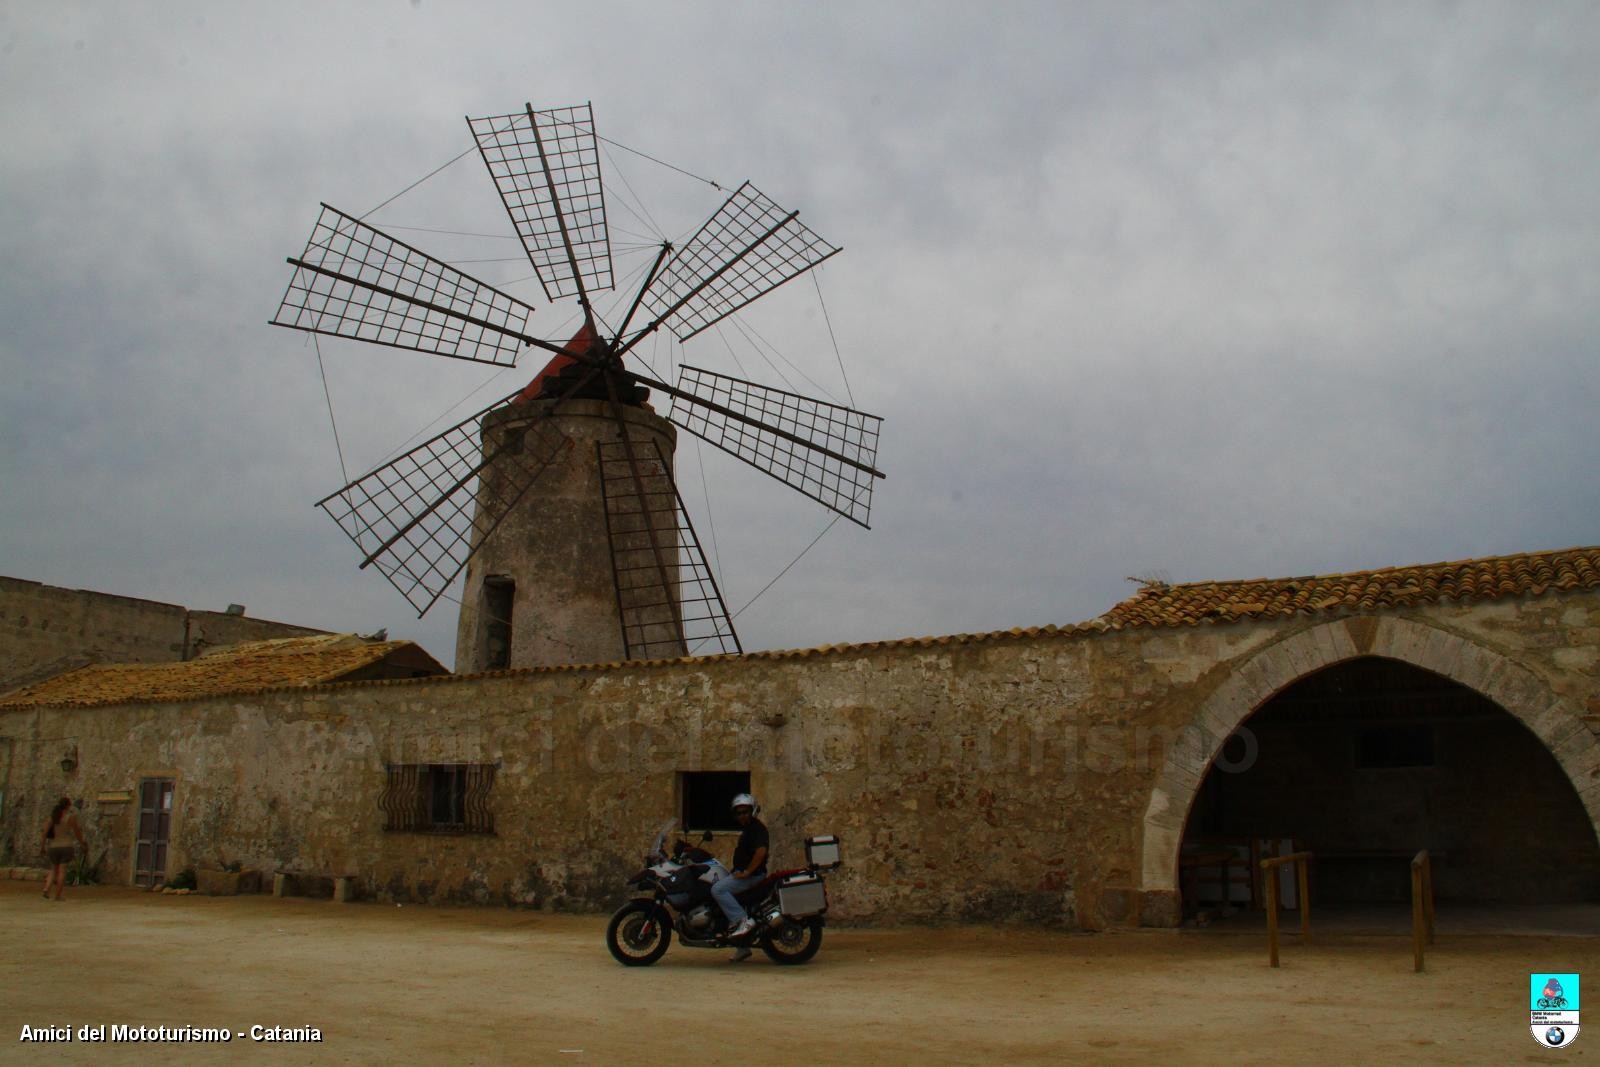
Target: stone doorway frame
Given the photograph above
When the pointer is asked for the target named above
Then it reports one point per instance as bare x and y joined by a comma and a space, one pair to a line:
1517, 690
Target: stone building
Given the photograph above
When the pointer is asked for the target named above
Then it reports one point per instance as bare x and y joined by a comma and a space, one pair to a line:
148, 812
45, 630
1057, 775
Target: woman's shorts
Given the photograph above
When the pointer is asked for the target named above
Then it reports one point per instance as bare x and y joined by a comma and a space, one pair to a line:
62, 853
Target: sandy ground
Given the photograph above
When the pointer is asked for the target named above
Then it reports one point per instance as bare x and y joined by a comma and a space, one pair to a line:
445, 985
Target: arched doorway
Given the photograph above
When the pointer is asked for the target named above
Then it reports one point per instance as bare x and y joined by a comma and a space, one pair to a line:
1253, 680
1366, 761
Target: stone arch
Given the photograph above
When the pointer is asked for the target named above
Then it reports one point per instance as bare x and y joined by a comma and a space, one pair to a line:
1516, 689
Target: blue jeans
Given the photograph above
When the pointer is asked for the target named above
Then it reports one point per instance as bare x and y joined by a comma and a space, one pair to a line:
723, 889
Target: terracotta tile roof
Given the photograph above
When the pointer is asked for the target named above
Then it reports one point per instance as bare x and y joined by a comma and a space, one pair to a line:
244, 668
292, 646
1530, 574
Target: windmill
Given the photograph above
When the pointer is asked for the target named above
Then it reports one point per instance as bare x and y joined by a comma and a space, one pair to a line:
529, 472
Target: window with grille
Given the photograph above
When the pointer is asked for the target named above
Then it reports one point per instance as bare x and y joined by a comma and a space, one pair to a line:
440, 798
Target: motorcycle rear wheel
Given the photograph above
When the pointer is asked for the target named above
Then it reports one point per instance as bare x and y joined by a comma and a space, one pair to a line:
638, 934
793, 942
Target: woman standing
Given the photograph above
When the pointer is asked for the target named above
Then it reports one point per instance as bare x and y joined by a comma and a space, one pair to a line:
58, 847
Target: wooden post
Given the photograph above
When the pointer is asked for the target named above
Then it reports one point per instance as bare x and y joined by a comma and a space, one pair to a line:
1418, 923
1305, 900
1427, 896
1270, 875
1421, 907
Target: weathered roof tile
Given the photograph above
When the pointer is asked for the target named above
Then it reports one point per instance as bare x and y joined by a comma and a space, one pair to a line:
1530, 574
245, 668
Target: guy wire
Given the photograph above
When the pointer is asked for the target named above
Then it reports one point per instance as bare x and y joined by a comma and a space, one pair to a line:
337, 447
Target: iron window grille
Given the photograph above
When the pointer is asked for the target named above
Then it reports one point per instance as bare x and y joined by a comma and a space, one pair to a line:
438, 798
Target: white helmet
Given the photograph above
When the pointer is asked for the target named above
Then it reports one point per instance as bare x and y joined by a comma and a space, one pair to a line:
745, 800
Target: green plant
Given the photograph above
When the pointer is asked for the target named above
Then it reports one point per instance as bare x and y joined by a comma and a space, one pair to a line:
184, 879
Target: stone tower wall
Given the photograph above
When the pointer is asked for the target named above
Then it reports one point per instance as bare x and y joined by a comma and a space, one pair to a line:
553, 546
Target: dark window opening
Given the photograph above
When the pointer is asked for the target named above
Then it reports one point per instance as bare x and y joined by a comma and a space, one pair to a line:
447, 788
1384, 747
441, 798
708, 798
498, 594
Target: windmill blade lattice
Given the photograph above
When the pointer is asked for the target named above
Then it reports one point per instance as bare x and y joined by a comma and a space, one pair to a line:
826, 451
420, 517
748, 248
356, 281
666, 593
546, 165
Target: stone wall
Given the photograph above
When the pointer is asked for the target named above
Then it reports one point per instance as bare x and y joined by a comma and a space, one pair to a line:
215, 629
45, 630
998, 778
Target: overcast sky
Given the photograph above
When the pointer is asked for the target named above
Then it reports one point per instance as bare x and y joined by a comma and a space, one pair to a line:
1195, 290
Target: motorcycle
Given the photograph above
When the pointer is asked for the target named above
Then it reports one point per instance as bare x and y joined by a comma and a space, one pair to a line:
674, 894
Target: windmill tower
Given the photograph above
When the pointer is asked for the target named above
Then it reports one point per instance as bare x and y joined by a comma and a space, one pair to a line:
559, 500
545, 586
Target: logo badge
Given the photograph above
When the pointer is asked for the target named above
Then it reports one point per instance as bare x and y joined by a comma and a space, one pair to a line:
1553, 1007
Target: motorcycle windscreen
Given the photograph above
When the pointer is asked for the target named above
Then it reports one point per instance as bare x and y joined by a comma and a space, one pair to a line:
661, 834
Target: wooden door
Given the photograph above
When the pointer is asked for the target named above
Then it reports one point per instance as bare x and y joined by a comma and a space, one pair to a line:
155, 829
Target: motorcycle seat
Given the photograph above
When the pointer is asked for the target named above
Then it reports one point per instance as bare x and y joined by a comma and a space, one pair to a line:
774, 877
759, 891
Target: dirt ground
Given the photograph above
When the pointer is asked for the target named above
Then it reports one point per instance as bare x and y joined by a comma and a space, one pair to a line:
446, 985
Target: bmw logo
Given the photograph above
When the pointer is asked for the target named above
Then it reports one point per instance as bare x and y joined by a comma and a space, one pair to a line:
1554, 1036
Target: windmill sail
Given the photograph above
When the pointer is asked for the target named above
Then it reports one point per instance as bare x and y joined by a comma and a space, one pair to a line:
356, 281
546, 165
420, 517
748, 248
826, 451
666, 594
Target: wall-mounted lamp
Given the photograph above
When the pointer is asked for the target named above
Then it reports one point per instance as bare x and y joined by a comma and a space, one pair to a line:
69, 760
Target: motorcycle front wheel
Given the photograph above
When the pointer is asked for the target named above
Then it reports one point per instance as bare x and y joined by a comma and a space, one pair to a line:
638, 934
793, 942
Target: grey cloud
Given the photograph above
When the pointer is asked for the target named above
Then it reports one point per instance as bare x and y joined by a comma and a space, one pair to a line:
1227, 290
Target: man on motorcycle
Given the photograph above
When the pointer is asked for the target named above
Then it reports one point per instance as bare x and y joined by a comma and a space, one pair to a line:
749, 868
